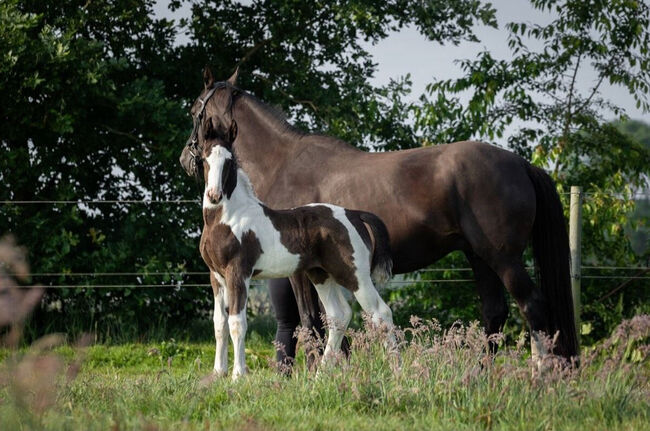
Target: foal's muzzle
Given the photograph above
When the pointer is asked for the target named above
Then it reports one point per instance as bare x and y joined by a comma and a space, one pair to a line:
214, 196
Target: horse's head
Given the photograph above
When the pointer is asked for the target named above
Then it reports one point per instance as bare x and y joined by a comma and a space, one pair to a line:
218, 164
211, 112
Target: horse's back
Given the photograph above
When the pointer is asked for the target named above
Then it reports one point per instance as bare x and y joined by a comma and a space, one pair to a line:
456, 196
495, 198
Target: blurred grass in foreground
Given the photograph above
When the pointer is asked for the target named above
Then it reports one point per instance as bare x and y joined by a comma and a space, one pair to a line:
444, 382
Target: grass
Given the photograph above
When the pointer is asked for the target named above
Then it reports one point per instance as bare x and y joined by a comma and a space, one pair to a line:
443, 381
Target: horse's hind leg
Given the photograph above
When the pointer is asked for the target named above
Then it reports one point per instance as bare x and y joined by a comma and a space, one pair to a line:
338, 312
494, 306
530, 300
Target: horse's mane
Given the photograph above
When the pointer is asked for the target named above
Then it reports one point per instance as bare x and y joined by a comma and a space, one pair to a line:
274, 118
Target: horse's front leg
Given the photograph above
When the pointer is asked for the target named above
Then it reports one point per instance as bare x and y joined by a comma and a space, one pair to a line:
220, 319
237, 287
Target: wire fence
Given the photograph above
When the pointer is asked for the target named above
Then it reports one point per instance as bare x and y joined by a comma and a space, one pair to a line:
98, 201
179, 275
635, 195
206, 273
180, 282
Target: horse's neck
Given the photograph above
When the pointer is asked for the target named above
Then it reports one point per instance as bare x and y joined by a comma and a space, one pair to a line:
262, 145
268, 150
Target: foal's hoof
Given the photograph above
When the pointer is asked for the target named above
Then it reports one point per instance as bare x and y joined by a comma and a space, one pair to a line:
239, 372
219, 373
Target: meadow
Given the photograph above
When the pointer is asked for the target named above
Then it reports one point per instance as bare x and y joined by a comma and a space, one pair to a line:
443, 381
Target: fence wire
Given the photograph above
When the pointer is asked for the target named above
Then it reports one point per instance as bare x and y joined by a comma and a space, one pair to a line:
635, 195
182, 284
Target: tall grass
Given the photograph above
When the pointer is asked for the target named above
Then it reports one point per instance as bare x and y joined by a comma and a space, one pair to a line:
442, 380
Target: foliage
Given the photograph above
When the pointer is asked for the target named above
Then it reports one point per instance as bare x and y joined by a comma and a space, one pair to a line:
444, 382
533, 102
96, 97
95, 106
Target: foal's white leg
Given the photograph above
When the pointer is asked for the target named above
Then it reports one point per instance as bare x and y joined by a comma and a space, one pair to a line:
220, 334
338, 311
238, 326
220, 319
372, 304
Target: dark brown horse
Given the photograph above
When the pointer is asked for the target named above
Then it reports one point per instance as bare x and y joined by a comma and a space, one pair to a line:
469, 196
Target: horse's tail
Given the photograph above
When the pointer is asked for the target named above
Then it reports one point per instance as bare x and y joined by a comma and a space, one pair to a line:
551, 250
381, 265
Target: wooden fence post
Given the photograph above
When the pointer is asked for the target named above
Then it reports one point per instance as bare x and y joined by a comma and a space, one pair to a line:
575, 239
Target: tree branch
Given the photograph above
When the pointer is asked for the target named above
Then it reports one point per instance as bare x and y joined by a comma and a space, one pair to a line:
309, 103
569, 114
253, 50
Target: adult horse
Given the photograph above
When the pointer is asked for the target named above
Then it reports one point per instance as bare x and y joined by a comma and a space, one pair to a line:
467, 196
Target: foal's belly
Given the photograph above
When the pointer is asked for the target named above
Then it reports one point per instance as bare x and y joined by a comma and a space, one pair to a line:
275, 261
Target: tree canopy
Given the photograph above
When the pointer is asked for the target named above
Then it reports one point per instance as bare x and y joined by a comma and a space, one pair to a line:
96, 98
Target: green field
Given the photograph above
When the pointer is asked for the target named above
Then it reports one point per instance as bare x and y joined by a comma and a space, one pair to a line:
443, 381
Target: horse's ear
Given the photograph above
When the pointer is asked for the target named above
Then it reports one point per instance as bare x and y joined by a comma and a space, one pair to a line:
208, 79
233, 79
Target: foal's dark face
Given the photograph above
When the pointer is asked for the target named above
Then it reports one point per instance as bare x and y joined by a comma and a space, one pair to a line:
219, 170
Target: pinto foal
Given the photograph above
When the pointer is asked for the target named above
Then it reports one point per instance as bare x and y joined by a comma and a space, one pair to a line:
243, 239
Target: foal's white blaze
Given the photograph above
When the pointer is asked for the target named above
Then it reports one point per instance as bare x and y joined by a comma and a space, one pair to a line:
216, 161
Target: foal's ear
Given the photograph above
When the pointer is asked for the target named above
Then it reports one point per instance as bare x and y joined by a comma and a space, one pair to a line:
208, 79
233, 79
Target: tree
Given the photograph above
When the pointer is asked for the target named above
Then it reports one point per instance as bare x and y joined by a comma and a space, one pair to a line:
533, 98
95, 106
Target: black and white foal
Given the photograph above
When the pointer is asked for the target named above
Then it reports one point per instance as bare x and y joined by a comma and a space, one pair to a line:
243, 239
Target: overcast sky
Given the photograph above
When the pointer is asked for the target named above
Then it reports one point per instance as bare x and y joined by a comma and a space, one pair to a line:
407, 51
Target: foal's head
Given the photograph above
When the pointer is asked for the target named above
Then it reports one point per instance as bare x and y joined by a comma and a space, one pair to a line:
219, 169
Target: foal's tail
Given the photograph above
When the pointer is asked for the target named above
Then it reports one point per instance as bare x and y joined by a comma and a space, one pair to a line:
551, 250
382, 263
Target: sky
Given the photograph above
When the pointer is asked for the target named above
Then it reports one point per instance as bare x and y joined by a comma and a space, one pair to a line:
407, 51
